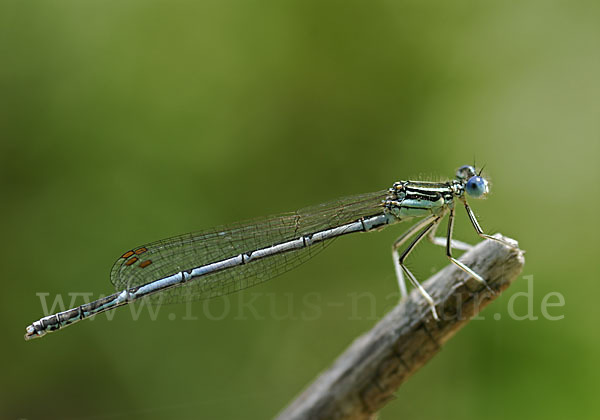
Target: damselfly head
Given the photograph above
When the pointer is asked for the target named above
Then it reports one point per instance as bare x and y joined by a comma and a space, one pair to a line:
475, 185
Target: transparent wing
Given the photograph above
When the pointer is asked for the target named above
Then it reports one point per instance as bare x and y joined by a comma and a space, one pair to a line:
169, 256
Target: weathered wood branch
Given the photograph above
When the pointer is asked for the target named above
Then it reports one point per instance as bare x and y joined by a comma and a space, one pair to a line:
363, 378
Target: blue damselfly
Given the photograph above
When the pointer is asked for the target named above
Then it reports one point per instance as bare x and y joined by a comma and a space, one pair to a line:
226, 259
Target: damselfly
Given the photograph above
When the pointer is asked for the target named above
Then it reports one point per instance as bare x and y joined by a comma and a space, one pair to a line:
226, 259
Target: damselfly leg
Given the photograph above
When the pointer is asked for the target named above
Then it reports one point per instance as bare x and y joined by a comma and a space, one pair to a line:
398, 243
443, 240
478, 229
406, 253
454, 260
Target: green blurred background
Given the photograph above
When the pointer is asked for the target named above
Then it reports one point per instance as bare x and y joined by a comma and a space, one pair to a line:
123, 122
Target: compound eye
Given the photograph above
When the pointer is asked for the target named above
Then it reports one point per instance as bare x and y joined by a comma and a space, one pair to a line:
477, 187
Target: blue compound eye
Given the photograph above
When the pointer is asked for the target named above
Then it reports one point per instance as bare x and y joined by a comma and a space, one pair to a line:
477, 187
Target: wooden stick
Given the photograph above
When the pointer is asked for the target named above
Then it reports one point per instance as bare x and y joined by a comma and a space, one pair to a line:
364, 378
